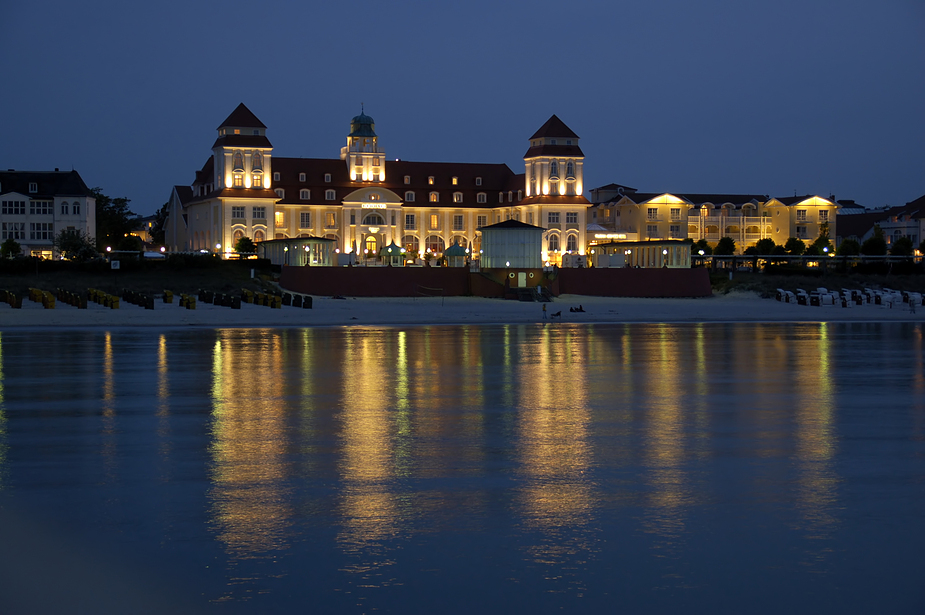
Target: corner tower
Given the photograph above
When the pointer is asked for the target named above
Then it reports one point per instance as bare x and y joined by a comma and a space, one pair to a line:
554, 162
242, 153
365, 161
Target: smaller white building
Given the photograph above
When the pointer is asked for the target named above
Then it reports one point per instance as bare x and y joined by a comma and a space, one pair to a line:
35, 206
513, 245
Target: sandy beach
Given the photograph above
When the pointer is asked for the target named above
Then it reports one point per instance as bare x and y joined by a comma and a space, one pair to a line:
326, 311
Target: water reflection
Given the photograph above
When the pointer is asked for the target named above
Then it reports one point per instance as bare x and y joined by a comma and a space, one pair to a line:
3, 443
250, 503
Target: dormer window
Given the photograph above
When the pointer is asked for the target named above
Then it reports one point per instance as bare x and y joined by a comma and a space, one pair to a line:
256, 132
238, 180
373, 196
281, 193
33, 187
430, 180
478, 181
327, 178
455, 181
301, 177
276, 177
552, 141
568, 142
407, 179
457, 197
237, 131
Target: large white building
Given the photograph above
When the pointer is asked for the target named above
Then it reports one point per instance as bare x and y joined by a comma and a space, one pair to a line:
35, 206
364, 202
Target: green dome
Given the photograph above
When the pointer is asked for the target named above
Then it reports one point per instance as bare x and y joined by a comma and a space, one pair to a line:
455, 250
390, 250
362, 126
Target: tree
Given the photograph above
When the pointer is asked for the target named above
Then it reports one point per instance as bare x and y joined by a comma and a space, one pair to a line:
875, 245
902, 247
795, 247
812, 250
245, 245
159, 228
848, 247
922, 247
726, 246
114, 220
10, 248
702, 245
765, 246
75, 246
822, 241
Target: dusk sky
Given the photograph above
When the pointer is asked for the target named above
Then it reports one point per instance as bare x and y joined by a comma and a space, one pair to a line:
809, 96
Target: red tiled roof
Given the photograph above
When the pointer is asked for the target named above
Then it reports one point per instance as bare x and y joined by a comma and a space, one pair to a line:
242, 141
554, 127
554, 150
242, 117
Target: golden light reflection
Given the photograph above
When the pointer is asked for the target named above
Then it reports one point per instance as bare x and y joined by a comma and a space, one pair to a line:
250, 504
163, 400
557, 497
817, 481
109, 408
670, 493
368, 505
918, 384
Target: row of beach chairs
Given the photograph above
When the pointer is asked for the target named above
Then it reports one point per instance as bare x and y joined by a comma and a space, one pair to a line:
848, 297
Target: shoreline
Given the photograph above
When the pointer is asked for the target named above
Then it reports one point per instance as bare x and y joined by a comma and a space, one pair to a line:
453, 311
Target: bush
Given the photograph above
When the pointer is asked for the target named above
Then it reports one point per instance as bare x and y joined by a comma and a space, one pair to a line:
902, 247
795, 247
10, 248
848, 247
726, 246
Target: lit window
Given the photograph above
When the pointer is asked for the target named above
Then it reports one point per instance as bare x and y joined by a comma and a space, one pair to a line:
457, 223
329, 220
329, 195
652, 213
457, 197
409, 197
327, 178
571, 244
257, 181
675, 213
407, 179
481, 221
823, 215
409, 222
455, 180
430, 180
553, 243
434, 221
301, 177
434, 197
571, 217
801, 215
276, 177
481, 197
305, 194
376, 162
373, 196
237, 131
238, 181
279, 218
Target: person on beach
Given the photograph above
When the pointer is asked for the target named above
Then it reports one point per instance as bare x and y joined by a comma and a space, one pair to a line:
544, 311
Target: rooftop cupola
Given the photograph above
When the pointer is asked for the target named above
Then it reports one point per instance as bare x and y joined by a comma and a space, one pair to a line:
365, 161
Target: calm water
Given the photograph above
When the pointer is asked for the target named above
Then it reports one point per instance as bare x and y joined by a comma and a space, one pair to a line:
633, 469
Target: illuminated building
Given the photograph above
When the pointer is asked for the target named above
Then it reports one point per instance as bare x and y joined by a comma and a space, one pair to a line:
37, 205
625, 214
365, 202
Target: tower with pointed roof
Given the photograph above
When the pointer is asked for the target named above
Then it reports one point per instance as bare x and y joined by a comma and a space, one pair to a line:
242, 152
365, 160
554, 161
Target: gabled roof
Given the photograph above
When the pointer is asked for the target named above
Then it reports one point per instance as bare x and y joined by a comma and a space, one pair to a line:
184, 194
242, 117
48, 183
554, 127
793, 200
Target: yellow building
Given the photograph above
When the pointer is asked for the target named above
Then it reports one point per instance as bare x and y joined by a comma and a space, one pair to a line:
364, 202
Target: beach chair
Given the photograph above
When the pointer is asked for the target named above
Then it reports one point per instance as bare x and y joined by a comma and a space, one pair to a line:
790, 297
802, 297
781, 294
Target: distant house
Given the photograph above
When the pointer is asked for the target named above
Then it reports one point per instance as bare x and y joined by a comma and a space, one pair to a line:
37, 205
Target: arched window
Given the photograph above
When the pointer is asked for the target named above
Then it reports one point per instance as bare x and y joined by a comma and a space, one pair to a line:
409, 197
461, 240
571, 244
411, 244
457, 197
570, 170
370, 244
238, 234
238, 161
434, 244
374, 219
305, 194
554, 169
481, 197
259, 235
434, 197
257, 162
553, 243
64, 208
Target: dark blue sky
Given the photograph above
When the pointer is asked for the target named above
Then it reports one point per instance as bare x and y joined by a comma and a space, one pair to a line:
803, 96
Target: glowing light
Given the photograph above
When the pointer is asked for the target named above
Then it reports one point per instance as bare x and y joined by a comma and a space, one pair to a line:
218, 247
163, 249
